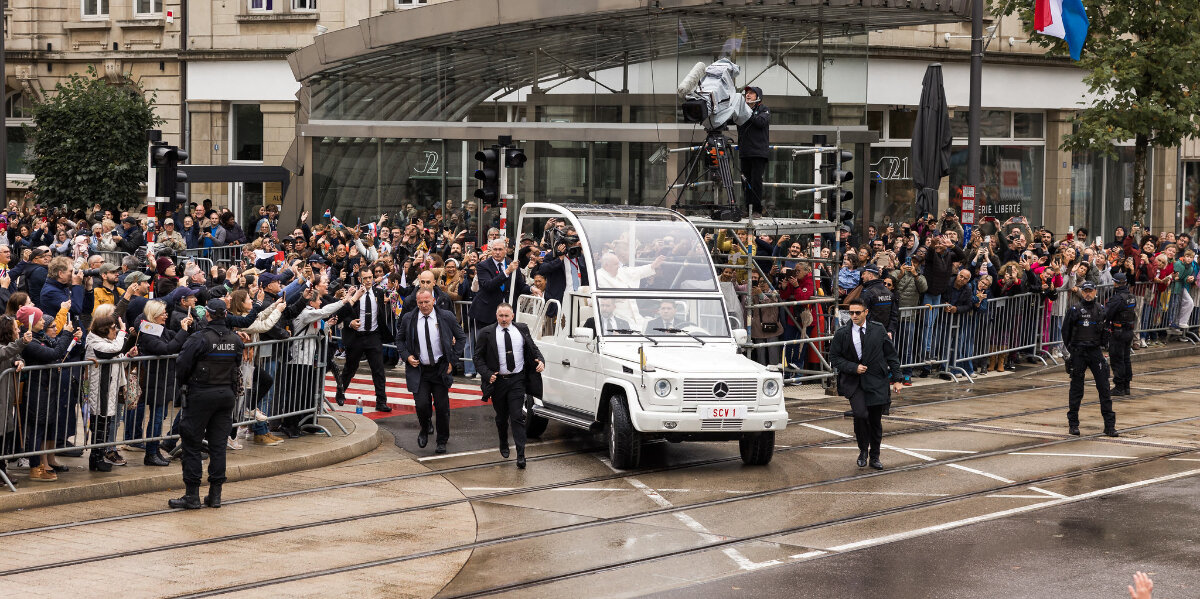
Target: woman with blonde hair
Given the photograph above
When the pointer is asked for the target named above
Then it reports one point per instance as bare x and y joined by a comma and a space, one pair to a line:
157, 377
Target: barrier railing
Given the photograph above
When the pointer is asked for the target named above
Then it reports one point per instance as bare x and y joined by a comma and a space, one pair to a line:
113, 257
223, 254
97, 405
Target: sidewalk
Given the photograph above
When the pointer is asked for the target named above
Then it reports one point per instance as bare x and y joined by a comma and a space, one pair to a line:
254, 461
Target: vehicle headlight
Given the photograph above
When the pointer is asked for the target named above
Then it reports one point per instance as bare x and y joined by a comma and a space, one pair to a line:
662, 388
770, 387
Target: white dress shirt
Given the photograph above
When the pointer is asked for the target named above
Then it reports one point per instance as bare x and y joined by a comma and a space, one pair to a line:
366, 305
435, 338
518, 343
857, 334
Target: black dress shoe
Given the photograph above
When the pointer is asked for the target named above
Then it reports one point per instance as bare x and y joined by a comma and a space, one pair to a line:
341, 399
862, 459
504, 450
441, 448
422, 439
1074, 430
154, 459
1111, 432
292, 432
876, 464
59, 468
382, 407
521, 462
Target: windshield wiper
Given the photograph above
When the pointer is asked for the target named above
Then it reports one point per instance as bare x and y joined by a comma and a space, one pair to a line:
682, 331
633, 332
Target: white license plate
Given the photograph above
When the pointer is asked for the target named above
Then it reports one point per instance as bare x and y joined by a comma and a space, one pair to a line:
723, 411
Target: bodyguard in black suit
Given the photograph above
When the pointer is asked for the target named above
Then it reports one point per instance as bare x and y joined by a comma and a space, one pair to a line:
495, 276
430, 342
370, 322
865, 360
510, 367
667, 318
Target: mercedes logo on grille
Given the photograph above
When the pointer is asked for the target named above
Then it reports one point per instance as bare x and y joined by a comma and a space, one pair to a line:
720, 390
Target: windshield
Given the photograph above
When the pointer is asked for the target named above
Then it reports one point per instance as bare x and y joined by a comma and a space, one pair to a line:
649, 251
638, 317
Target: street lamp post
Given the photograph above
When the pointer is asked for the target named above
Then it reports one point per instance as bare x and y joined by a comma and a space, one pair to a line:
973, 116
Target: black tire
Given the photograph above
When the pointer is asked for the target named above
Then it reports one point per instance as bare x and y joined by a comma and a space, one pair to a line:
624, 443
757, 449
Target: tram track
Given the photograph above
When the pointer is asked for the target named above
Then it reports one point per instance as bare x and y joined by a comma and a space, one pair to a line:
691, 506
582, 481
927, 426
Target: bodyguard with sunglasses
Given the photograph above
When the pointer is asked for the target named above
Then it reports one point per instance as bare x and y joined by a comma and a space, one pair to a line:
865, 360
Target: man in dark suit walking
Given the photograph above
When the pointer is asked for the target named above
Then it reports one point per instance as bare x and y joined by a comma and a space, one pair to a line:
370, 321
495, 276
865, 360
510, 366
430, 342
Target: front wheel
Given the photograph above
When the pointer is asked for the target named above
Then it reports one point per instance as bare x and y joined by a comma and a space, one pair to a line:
757, 449
624, 442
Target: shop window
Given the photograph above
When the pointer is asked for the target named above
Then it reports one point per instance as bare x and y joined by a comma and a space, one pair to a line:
992, 123
95, 9
1028, 125
1013, 179
247, 133
147, 7
875, 121
901, 123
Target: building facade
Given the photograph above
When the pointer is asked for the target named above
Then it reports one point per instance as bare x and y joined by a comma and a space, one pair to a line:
596, 124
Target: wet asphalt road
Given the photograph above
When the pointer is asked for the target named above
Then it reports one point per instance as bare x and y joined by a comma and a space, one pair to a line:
1079, 550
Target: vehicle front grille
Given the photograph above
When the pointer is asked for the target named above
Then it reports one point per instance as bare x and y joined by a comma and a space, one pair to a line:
720, 424
704, 389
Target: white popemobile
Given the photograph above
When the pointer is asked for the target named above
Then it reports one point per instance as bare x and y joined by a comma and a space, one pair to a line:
641, 345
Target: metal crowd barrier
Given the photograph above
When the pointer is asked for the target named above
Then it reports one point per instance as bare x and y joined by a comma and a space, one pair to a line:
52, 409
222, 254
112, 257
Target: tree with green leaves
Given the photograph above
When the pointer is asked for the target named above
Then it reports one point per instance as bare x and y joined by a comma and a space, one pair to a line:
89, 143
1142, 65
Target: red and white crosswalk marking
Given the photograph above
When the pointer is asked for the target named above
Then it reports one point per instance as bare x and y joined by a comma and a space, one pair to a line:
362, 391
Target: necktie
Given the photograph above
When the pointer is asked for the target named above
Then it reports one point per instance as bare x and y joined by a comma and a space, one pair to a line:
509, 358
367, 309
862, 337
428, 341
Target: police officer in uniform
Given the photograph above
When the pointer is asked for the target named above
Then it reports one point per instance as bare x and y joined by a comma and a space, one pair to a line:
1081, 332
1120, 313
879, 302
208, 370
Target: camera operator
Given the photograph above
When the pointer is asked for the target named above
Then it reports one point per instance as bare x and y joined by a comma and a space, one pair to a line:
753, 143
567, 267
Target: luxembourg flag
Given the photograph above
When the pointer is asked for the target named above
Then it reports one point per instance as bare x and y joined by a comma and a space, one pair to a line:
1064, 19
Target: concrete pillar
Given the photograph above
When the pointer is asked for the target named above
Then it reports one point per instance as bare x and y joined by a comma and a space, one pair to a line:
1056, 190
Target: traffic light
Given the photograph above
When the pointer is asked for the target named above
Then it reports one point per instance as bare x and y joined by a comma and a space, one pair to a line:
489, 173
168, 178
514, 157
839, 174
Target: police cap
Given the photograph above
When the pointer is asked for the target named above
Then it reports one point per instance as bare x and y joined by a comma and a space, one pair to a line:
1119, 278
1087, 285
216, 307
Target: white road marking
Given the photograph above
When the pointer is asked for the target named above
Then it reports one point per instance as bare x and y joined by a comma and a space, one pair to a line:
1075, 455
732, 553
1045, 492
492, 489
1020, 496
893, 493
1183, 459
808, 554
981, 473
827, 430
1004, 513
477, 452
941, 450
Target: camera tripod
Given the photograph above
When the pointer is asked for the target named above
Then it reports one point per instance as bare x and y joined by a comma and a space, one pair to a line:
715, 169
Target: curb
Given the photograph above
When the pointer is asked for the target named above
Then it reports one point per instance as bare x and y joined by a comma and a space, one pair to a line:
364, 437
1143, 355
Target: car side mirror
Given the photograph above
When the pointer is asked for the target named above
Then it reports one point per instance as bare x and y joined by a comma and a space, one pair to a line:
583, 334
740, 336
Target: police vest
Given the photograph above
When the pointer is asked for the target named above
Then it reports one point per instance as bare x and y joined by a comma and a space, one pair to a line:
879, 302
218, 364
1087, 325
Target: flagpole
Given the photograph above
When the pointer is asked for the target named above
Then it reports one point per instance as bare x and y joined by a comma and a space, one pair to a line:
976, 98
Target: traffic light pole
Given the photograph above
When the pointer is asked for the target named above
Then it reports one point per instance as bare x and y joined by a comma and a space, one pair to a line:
504, 193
